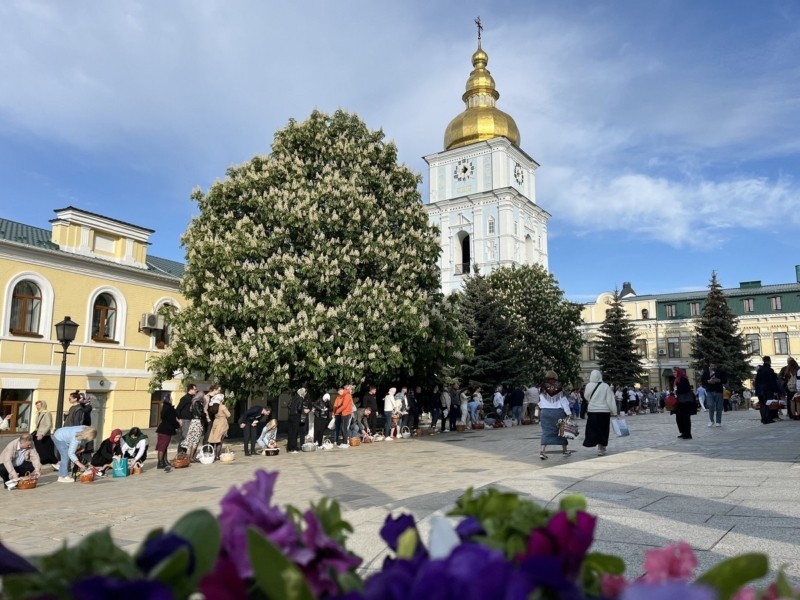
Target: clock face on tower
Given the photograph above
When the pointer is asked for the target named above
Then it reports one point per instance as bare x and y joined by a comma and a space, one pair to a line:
519, 174
464, 170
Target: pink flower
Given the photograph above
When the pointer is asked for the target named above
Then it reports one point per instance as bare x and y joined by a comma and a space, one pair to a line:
746, 593
612, 586
675, 561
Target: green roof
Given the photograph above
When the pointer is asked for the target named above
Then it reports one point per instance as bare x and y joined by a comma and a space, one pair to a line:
28, 235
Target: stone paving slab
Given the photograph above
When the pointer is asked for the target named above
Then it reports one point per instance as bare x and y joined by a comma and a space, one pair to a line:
729, 490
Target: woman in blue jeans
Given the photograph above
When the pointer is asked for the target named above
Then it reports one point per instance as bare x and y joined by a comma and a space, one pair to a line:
68, 440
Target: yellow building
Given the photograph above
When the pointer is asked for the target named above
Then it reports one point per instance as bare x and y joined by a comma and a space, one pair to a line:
769, 318
96, 270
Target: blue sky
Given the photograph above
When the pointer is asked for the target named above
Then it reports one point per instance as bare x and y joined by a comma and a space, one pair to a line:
668, 132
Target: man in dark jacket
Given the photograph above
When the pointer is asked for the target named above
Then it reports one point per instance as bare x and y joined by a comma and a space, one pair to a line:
249, 422
298, 415
184, 412
766, 388
713, 380
370, 401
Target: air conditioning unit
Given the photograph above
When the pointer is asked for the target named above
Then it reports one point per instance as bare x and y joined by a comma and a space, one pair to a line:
151, 321
662, 352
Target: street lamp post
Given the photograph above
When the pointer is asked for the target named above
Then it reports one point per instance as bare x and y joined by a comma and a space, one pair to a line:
66, 331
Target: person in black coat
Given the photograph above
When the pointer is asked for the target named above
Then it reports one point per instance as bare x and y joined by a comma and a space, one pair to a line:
370, 401
107, 451
686, 406
322, 414
766, 388
168, 427
298, 415
250, 422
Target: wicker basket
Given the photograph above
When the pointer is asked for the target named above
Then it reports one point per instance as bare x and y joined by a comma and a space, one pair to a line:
367, 439
309, 447
527, 421
405, 433
478, 425
418, 432
461, 427
498, 425
378, 437
86, 477
272, 451
136, 469
180, 462
206, 455
27, 482
354, 441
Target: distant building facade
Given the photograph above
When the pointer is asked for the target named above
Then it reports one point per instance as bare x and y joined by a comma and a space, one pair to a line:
96, 270
769, 317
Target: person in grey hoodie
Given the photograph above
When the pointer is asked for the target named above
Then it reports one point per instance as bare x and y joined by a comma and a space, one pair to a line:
602, 406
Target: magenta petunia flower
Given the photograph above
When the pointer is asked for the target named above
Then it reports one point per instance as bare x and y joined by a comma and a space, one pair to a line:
612, 586
565, 539
223, 583
672, 562
251, 506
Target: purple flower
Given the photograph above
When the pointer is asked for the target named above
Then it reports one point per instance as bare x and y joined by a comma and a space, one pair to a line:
320, 558
251, 506
11, 562
668, 591
469, 528
564, 539
393, 528
103, 588
158, 548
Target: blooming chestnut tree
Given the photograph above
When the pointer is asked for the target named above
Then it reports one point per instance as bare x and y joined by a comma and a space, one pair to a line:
312, 266
545, 323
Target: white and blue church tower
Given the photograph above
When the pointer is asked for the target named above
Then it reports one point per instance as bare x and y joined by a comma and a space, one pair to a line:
483, 189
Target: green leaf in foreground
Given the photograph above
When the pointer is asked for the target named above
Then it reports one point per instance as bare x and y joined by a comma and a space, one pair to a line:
730, 575
275, 575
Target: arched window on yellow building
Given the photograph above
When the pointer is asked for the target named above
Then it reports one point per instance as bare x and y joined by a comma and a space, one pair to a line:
104, 318
26, 309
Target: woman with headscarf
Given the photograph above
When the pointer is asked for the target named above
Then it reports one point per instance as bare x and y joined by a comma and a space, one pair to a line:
553, 406
168, 427
42, 441
686, 405
105, 454
601, 407
134, 445
388, 412
219, 415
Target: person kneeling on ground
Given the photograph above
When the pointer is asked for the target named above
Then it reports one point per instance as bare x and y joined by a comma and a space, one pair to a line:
20, 458
366, 432
268, 438
134, 445
70, 441
105, 454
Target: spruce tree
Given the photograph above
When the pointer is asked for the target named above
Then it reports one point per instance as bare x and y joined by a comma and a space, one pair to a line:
313, 266
493, 337
717, 338
617, 354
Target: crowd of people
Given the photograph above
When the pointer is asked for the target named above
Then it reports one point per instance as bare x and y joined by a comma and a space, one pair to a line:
202, 419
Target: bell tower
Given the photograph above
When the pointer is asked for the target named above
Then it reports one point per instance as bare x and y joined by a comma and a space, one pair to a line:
482, 194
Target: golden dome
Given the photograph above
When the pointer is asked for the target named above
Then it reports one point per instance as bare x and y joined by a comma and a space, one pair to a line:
481, 120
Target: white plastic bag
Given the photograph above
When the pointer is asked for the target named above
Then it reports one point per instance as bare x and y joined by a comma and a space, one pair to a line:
620, 427
5, 425
332, 423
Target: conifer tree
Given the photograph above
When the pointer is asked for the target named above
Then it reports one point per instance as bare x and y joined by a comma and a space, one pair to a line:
617, 354
313, 266
493, 337
717, 338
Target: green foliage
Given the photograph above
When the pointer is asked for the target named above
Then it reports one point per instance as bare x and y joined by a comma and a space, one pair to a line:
507, 519
596, 564
617, 356
275, 575
717, 338
313, 266
329, 513
731, 574
530, 307
96, 554
201, 529
493, 337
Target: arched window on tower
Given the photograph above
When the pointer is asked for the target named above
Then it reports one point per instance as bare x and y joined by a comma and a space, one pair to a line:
491, 226
529, 259
463, 253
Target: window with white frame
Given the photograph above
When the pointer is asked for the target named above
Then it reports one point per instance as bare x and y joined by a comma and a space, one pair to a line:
748, 305
753, 343
104, 318
671, 310
775, 303
641, 347
491, 226
694, 309
674, 347
26, 309
781, 342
